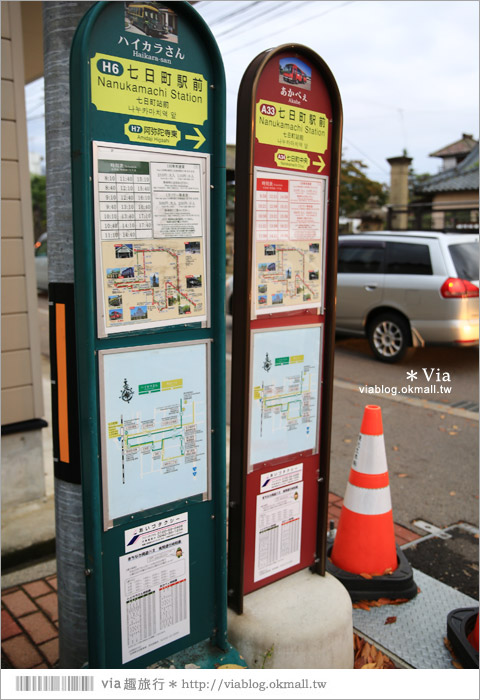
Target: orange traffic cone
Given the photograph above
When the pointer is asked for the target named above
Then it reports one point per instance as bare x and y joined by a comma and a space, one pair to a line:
365, 539
473, 636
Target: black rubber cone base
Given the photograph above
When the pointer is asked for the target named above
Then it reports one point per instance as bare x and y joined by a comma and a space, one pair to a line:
460, 623
398, 584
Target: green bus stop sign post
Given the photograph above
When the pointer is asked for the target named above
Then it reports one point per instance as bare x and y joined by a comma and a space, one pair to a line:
148, 168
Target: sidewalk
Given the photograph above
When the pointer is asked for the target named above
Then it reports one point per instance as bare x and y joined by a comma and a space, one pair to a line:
30, 613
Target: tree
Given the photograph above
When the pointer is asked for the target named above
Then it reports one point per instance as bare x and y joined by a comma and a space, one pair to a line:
415, 181
356, 188
38, 187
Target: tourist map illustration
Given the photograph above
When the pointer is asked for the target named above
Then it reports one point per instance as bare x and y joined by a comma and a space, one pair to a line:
284, 405
289, 228
154, 426
151, 238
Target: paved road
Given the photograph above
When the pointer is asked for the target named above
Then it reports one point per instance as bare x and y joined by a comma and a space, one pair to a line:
432, 447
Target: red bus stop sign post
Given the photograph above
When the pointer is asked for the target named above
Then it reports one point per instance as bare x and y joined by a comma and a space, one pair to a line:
289, 127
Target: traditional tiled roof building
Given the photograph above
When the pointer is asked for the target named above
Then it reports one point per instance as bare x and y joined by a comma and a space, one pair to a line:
454, 190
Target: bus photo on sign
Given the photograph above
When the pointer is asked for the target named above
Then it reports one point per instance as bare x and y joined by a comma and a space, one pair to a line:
151, 19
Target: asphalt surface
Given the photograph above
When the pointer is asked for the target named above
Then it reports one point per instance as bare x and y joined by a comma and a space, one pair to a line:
432, 453
432, 447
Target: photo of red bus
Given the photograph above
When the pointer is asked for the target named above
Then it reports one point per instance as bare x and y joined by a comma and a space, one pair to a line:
292, 73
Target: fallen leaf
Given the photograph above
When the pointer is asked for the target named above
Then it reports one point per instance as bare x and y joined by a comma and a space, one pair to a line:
347, 440
442, 416
390, 620
456, 664
452, 432
369, 656
361, 605
366, 576
395, 448
388, 572
365, 651
402, 476
453, 493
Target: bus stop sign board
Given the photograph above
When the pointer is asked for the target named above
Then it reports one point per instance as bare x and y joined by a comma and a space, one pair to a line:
288, 159
148, 149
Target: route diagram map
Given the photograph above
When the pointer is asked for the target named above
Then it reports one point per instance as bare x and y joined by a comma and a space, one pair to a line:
289, 223
285, 393
288, 274
157, 280
154, 425
151, 224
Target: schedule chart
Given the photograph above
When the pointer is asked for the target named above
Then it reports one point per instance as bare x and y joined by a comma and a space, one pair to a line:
125, 199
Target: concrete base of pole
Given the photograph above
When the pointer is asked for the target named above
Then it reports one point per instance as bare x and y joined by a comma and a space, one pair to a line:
301, 621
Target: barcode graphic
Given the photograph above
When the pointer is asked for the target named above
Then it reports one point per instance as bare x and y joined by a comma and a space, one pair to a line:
53, 683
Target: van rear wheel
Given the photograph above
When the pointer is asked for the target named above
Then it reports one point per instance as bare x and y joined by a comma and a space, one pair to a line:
388, 335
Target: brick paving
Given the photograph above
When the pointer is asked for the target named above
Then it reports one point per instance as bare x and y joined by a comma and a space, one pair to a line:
30, 612
29, 633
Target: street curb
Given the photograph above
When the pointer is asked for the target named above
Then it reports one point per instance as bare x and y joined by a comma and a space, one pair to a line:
28, 555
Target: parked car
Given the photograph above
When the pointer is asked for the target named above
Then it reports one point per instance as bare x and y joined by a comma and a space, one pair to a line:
41, 263
408, 288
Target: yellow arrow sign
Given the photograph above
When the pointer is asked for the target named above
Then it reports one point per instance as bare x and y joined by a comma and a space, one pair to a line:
198, 137
320, 162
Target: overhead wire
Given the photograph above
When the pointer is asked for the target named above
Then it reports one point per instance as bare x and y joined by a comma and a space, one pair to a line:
216, 20
305, 19
377, 165
267, 10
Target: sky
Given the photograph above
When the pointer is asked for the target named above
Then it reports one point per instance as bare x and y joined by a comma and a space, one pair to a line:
407, 71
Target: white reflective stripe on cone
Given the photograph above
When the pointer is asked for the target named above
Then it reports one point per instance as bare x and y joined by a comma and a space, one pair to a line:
367, 501
370, 456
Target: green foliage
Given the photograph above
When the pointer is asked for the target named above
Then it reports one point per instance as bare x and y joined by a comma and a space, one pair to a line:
416, 180
39, 204
356, 188
268, 655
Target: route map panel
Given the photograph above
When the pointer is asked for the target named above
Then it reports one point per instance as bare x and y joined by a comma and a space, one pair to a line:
154, 427
151, 221
285, 393
289, 225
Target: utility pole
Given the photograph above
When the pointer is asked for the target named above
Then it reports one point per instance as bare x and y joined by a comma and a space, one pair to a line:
60, 20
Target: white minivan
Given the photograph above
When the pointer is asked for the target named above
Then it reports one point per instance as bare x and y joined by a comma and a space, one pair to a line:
408, 288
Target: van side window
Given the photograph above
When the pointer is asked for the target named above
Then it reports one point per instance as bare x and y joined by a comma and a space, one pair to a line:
408, 259
361, 258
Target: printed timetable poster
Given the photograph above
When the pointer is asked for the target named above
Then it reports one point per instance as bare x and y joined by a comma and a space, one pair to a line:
151, 233
289, 220
285, 392
155, 427
278, 530
154, 597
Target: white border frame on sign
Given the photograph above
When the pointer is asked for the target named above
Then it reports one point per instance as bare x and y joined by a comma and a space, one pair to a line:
287, 175
206, 495
280, 459
134, 152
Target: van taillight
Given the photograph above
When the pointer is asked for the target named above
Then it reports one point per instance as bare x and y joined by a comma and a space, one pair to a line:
455, 288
